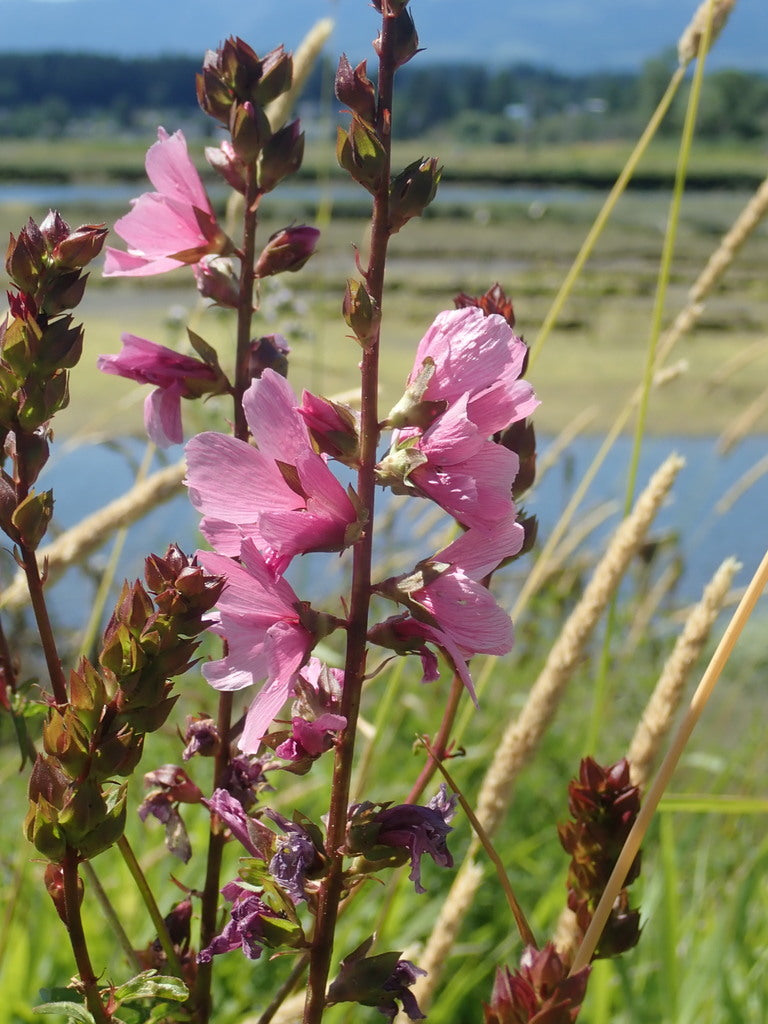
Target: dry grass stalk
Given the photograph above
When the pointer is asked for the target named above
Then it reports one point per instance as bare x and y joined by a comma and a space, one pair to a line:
91, 532
679, 741
709, 19
717, 264
743, 424
304, 59
522, 736
657, 718
647, 608
742, 485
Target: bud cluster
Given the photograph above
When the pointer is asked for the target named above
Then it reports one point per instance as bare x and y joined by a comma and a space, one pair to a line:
539, 991
603, 805
98, 734
39, 342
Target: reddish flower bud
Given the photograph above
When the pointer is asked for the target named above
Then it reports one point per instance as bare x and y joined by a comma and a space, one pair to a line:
405, 44
287, 250
249, 128
281, 156
494, 301
354, 88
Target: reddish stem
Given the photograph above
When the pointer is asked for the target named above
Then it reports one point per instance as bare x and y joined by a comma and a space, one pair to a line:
354, 669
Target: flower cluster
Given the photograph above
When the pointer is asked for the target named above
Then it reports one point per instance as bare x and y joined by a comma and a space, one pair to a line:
603, 805
540, 992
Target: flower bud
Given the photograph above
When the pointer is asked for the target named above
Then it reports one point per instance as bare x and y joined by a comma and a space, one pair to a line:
31, 518
24, 259
225, 161
287, 250
359, 312
360, 152
495, 300
405, 43
79, 247
355, 89
333, 426
249, 128
276, 75
215, 279
412, 191
281, 156
269, 352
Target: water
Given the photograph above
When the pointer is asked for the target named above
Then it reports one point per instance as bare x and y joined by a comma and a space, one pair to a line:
85, 478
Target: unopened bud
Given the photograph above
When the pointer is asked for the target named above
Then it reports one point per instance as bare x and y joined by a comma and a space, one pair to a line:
287, 250
54, 884
281, 156
269, 352
80, 246
333, 426
276, 76
32, 517
359, 312
225, 161
405, 41
360, 152
412, 191
355, 89
215, 278
249, 128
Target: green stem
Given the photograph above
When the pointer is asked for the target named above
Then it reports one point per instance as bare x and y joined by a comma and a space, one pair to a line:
438, 749
150, 903
111, 916
360, 593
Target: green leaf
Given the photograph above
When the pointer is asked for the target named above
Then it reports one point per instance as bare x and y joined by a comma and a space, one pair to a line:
151, 985
72, 1011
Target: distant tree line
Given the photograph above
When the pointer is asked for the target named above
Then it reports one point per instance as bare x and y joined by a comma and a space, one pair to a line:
62, 93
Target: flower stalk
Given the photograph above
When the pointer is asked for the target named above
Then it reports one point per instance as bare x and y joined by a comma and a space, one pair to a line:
360, 594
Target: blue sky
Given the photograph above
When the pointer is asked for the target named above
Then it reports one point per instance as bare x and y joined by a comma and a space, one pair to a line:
574, 35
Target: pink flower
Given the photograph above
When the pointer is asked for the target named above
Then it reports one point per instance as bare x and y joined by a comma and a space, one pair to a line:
281, 494
464, 387
176, 376
263, 622
172, 226
448, 605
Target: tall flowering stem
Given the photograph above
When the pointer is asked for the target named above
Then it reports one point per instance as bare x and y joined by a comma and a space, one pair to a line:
360, 594
217, 838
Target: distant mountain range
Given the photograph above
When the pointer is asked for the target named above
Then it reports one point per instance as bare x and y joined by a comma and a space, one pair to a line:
572, 35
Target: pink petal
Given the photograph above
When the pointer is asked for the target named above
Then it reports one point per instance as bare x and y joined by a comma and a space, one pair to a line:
171, 171
277, 426
162, 415
126, 264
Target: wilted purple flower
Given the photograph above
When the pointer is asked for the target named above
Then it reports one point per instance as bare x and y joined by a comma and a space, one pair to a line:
243, 777
296, 855
419, 830
376, 981
257, 839
201, 737
175, 787
245, 928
